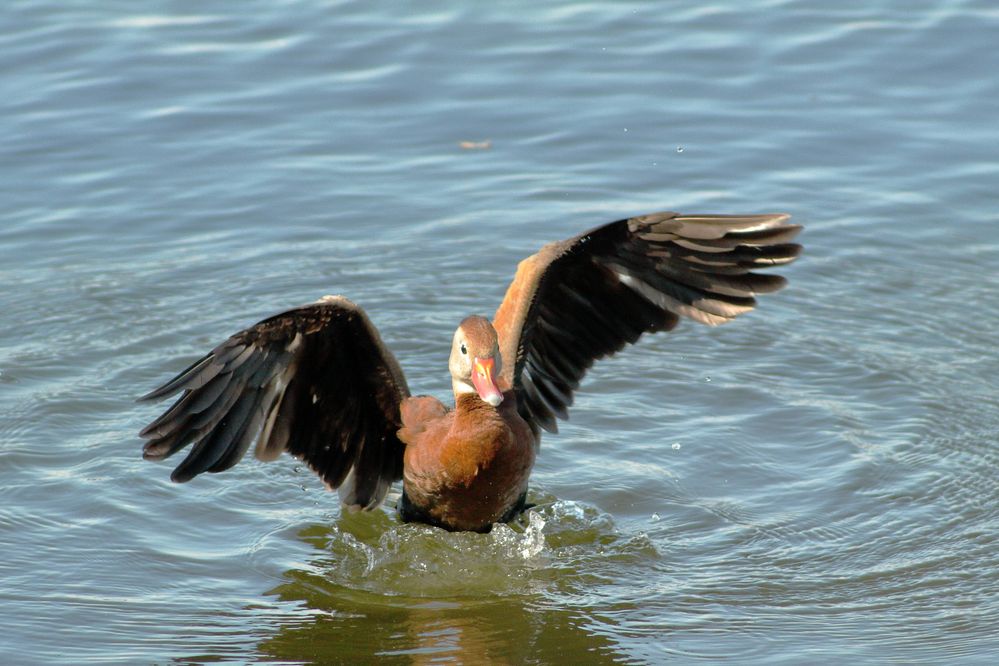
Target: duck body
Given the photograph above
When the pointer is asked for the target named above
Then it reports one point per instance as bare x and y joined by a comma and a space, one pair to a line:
467, 468
318, 383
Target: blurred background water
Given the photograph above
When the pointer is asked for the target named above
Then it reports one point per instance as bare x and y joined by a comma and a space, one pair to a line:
814, 482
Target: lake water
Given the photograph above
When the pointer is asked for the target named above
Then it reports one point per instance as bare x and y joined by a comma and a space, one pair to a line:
815, 482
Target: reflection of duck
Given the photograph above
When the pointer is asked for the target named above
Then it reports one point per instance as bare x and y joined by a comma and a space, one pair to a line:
318, 382
331, 621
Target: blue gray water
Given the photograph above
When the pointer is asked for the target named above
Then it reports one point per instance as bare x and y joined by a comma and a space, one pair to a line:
815, 482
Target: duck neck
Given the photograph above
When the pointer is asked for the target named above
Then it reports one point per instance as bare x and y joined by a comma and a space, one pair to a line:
462, 387
470, 403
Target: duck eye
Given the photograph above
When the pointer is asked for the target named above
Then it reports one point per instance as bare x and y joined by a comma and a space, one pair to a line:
463, 350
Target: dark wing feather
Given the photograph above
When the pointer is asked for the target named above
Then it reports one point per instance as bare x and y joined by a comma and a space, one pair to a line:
315, 381
584, 298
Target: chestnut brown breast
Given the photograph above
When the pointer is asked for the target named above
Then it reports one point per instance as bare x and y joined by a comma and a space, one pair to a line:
468, 468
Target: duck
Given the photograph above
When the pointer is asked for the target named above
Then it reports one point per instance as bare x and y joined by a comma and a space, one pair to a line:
317, 381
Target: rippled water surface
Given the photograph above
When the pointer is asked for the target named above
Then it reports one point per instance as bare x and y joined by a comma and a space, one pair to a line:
817, 481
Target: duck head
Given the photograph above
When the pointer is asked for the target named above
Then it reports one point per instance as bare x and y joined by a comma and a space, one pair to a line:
475, 361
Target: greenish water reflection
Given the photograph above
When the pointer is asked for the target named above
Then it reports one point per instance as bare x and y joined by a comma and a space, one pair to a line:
351, 626
415, 594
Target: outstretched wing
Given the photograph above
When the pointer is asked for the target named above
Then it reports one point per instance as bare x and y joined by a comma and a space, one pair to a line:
315, 381
578, 300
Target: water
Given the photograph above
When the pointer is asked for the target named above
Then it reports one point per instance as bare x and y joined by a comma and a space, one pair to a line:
814, 482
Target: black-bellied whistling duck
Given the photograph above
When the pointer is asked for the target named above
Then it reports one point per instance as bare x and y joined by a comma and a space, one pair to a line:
318, 382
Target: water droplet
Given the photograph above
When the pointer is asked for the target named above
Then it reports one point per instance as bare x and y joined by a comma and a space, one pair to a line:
676, 446
679, 149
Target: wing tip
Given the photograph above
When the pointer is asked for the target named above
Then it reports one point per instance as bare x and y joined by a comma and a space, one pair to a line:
157, 394
181, 476
158, 449
152, 453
